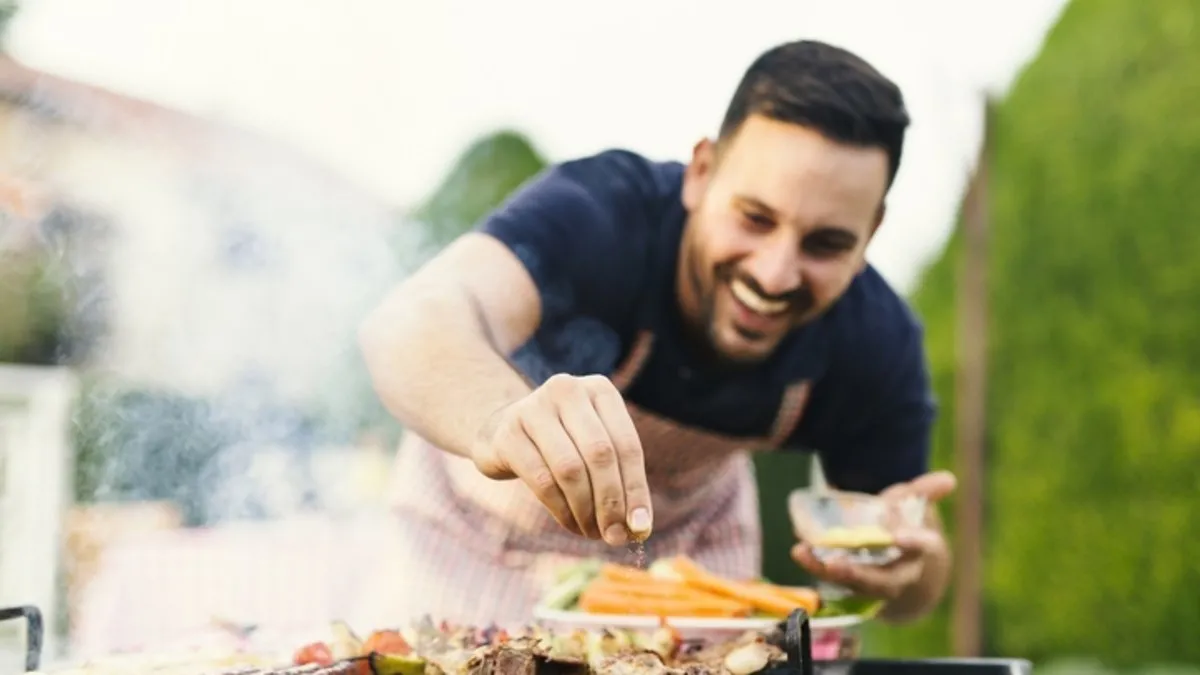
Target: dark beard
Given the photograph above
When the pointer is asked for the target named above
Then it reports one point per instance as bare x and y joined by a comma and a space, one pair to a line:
700, 336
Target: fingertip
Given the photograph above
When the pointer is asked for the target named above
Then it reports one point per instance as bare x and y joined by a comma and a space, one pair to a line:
799, 554
640, 520
938, 484
803, 555
616, 535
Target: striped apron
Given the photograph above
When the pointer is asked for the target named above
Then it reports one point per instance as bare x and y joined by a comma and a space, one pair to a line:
470, 549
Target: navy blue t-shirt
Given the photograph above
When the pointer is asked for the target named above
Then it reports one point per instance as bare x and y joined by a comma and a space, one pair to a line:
600, 237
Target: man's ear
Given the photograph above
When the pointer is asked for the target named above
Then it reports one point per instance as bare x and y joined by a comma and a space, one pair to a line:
698, 173
862, 264
879, 217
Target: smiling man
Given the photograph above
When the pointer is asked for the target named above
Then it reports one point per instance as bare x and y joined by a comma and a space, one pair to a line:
595, 361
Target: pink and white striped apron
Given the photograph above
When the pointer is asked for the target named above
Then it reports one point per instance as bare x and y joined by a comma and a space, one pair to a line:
471, 549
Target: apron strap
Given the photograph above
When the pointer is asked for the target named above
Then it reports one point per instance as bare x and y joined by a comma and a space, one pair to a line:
791, 410
628, 369
791, 406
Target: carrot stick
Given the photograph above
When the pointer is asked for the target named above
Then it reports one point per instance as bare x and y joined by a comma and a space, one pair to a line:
615, 603
667, 590
766, 600
806, 598
625, 573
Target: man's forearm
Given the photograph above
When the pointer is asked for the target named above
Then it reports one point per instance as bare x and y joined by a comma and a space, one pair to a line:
434, 369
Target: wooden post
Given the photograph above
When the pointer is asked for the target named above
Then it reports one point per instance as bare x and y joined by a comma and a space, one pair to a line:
971, 404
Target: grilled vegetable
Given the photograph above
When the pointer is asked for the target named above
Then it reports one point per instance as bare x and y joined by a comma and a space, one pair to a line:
665, 641
395, 664
388, 642
747, 659
315, 653
345, 644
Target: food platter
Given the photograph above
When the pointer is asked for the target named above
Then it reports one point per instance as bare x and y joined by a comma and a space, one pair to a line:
595, 596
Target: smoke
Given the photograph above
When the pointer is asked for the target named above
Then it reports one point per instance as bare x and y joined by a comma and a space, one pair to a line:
209, 284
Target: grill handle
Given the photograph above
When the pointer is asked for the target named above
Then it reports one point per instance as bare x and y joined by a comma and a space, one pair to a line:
797, 643
33, 632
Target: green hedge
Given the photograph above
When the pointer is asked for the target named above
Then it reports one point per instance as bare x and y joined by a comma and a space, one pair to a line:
1094, 416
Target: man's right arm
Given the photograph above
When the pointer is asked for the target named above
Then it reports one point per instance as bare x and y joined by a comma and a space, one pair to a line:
435, 345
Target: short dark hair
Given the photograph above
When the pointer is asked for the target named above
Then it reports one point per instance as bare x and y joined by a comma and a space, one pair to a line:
826, 88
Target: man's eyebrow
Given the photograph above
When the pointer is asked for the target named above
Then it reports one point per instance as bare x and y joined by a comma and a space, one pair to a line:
754, 204
837, 233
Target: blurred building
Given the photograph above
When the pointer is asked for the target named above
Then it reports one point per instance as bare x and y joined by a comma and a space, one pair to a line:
196, 257
188, 262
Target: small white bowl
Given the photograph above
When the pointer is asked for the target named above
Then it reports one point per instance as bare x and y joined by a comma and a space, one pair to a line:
852, 525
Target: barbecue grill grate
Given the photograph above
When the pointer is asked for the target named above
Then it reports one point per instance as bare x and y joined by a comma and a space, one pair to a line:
793, 637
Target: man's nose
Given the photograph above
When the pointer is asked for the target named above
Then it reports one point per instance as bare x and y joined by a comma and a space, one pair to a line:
777, 269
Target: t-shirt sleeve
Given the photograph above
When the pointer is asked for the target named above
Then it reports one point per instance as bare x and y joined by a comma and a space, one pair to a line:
878, 422
580, 229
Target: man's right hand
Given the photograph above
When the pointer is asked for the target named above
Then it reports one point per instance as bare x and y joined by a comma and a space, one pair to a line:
574, 444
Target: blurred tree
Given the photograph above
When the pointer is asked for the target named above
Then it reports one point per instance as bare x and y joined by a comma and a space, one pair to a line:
1094, 415
31, 308
482, 177
8, 9
52, 288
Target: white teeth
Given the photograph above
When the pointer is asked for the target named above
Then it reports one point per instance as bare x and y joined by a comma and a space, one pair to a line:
756, 302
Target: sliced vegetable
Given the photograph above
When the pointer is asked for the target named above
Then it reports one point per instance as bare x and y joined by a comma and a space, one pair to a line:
387, 642
747, 659
584, 568
566, 592
394, 664
758, 597
661, 569
806, 598
626, 573
661, 589
665, 641
603, 602
345, 644
314, 653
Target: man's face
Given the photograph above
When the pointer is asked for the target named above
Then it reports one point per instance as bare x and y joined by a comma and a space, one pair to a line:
778, 226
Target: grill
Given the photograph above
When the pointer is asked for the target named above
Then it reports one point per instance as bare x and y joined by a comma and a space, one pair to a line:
33, 632
793, 637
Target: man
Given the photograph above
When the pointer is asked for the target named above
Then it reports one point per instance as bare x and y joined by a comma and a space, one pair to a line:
594, 362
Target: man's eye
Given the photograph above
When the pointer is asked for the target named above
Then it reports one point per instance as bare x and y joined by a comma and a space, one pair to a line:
823, 246
759, 221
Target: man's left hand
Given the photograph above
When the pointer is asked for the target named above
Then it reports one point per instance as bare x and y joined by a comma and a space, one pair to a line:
922, 548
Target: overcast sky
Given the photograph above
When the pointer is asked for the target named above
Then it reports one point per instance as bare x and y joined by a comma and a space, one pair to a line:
390, 92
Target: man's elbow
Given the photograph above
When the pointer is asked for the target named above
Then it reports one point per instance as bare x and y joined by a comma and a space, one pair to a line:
382, 331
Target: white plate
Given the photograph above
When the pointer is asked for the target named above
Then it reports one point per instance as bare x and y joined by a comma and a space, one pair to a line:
688, 627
